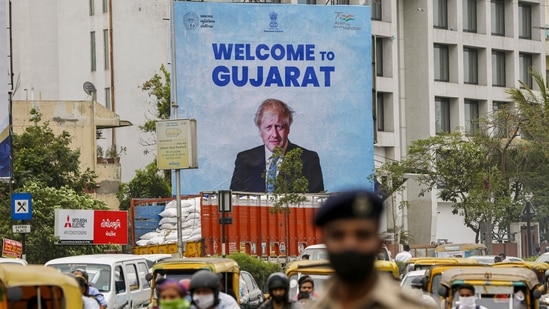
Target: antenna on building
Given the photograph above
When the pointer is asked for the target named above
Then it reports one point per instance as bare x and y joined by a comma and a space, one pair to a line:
90, 89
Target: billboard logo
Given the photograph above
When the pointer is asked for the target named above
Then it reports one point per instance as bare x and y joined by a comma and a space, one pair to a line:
273, 24
190, 20
68, 223
106, 223
345, 21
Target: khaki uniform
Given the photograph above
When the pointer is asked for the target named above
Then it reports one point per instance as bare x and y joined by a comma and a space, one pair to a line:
386, 294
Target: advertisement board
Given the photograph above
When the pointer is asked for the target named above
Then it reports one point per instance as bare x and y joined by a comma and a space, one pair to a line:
11, 248
4, 102
110, 227
176, 144
87, 227
314, 59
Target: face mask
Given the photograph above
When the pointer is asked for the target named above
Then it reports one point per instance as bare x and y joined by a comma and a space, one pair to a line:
203, 301
352, 266
172, 304
279, 298
466, 301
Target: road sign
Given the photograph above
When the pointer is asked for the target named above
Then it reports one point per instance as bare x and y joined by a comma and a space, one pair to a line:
21, 206
21, 228
227, 220
529, 209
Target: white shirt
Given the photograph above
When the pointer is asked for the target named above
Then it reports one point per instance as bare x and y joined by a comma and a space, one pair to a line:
90, 303
403, 256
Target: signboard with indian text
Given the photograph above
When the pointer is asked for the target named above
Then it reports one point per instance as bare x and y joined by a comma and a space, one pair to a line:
91, 227
11, 248
176, 144
275, 75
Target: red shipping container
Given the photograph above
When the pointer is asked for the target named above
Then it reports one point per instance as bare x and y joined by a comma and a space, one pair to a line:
255, 230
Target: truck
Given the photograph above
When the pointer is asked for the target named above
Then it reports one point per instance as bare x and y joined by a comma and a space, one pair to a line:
250, 227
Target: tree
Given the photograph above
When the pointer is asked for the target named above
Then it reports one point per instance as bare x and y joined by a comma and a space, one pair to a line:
290, 185
45, 166
259, 269
46, 158
159, 90
147, 183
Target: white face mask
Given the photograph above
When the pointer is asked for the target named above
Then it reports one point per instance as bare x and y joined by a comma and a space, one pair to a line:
203, 301
465, 302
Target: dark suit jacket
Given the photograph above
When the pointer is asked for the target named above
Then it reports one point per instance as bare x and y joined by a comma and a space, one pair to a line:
250, 166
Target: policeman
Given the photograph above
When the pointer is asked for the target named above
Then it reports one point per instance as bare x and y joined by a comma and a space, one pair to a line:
279, 286
350, 223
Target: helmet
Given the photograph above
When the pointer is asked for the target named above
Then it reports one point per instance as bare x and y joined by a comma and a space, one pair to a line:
278, 281
205, 279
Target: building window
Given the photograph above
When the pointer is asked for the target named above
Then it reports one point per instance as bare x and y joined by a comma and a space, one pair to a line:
498, 17
379, 57
471, 116
440, 14
501, 122
442, 115
470, 15
106, 48
105, 6
498, 68
470, 63
380, 112
525, 63
525, 21
442, 71
92, 7
376, 9
93, 54
108, 98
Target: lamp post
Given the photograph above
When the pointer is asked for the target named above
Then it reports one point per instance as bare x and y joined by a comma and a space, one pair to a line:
225, 204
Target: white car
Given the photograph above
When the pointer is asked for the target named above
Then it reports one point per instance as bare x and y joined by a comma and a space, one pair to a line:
406, 282
489, 259
13, 261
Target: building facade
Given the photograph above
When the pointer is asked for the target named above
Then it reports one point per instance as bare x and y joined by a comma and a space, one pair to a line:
438, 66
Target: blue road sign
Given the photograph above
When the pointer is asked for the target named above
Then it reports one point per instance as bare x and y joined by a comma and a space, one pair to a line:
21, 206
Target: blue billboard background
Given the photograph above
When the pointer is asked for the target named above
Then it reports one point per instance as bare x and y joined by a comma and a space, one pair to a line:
317, 59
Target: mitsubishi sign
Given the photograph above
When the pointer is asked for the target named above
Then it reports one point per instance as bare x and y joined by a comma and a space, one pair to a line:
87, 227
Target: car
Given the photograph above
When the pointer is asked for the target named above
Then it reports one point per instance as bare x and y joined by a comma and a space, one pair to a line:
406, 282
152, 259
544, 258
489, 259
251, 295
318, 252
13, 261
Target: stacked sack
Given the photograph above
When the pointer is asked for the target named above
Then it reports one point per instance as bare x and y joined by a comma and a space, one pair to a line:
167, 230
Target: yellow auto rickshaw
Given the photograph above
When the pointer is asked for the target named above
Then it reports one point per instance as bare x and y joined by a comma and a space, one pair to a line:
318, 270
21, 286
538, 268
460, 250
388, 267
495, 287
426, 263
433, 275
184, 268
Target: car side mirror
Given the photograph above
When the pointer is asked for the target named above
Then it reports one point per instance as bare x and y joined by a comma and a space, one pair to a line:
536, 294
148, 277
443, 291
119, 286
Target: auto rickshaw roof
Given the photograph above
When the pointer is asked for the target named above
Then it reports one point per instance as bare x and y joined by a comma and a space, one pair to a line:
440, 260
33, 275
309, 267
215, 264
490, 275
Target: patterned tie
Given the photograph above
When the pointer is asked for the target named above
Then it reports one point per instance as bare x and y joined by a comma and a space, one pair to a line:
271, 175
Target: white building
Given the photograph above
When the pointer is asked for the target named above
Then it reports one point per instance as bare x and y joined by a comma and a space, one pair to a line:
439, 65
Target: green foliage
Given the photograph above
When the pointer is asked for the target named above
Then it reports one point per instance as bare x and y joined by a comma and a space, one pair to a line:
259, 269
147, 183
290, 184
40, 156
159, 90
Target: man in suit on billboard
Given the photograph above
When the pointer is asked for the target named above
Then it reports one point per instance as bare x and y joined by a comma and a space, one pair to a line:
273, 118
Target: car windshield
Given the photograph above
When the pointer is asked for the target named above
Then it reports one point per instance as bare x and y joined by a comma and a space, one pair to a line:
99, 274
319, 281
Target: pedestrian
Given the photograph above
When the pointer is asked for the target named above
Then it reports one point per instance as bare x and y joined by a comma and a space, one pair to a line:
279, 291
205, 292
350, 224
171, 294
92, 291
89, 302
405, 255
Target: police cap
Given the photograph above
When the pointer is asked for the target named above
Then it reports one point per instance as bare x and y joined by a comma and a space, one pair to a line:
351, 204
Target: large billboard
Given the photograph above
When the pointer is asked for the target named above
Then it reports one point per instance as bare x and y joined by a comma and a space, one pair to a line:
87, 227
308, 67
4, 104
